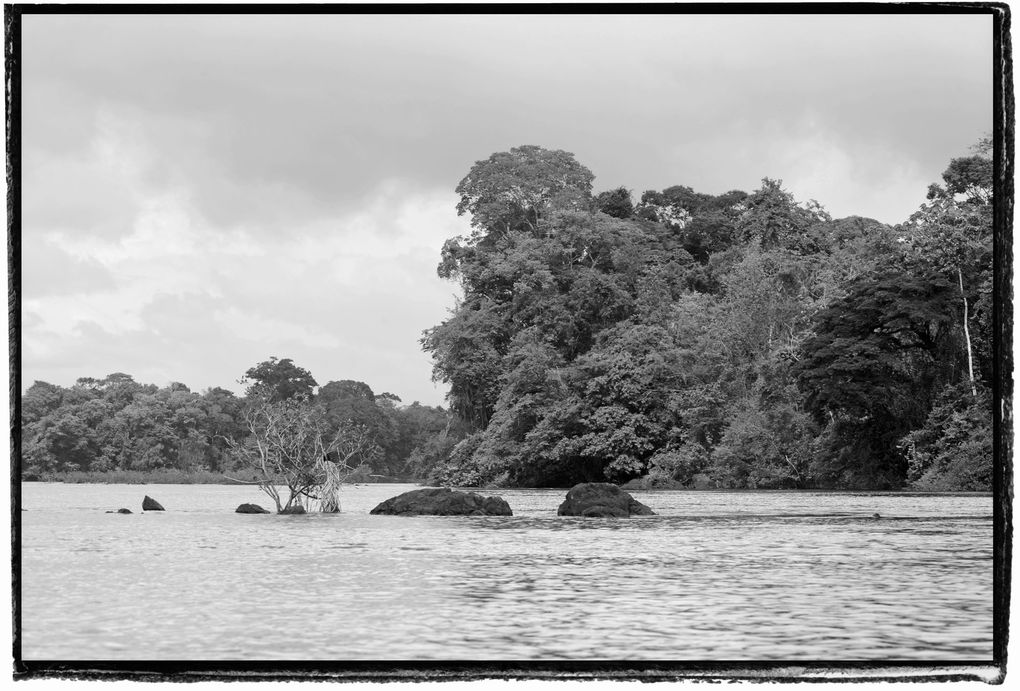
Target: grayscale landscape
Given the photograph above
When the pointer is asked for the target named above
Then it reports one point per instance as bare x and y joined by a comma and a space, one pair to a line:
640, 337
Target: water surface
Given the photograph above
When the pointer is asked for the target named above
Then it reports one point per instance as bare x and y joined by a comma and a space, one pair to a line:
715, 576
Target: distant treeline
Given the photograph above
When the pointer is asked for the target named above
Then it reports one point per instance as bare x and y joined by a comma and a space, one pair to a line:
117, 424
738, 340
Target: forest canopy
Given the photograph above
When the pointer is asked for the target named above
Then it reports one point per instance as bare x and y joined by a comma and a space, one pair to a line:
117, 424
733, 340
737, 340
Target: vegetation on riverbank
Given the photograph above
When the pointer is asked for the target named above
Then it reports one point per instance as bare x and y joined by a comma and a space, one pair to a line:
360, 475
745, 338
740, 340
115, 429
132, 477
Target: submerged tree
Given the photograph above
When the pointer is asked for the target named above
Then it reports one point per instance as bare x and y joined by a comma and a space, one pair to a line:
291, 444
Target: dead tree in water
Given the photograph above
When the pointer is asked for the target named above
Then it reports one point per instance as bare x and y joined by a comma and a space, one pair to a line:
290, 444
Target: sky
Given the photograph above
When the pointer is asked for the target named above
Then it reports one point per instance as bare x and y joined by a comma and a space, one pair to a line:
202, 192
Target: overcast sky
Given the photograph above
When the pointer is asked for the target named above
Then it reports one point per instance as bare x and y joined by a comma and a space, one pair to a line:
202, 192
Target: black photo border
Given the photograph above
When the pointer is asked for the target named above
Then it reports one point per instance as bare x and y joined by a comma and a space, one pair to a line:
989, 671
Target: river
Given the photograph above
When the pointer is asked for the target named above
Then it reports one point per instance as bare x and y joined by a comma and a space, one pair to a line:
715, 576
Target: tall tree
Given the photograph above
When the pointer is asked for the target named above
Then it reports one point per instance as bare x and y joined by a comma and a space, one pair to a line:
42, 398
349, 402
616, 203
952, 234
512, 190
278, 380
871, 369
467, 350
772, 218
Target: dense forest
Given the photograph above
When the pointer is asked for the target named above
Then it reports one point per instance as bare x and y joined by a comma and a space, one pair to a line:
733, 340
116, 424
741, 340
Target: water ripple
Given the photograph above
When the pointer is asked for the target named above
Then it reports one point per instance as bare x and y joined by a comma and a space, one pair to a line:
756, 576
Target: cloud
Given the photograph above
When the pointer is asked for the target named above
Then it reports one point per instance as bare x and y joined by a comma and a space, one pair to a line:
345, 296
820, 168
284, 185
48, 270
272, 121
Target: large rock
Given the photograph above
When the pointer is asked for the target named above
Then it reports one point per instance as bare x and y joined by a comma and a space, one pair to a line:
601, 500
443, 502
150, 504
250, 508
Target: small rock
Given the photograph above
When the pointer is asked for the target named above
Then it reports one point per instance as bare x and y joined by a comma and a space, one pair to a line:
295, 510
150, 504
601, 500
442, 502
120, 511
250, 508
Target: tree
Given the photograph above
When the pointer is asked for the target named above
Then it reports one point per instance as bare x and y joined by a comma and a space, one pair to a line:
677, 464
350, 402
870, 370
279, 380
953, 450
427, 435
970, 176
769, 301
223, 420
69, 438
289, 444
954, 236
42, 398
701, 223
749, 337
767, 443
773, 219
615, 203
512, 190
59, 443
120, 389
467, 349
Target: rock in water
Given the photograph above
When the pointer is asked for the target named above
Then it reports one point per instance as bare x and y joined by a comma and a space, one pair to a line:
443, 502
150, 504
601, 500
117, 511
295, 510
250, 508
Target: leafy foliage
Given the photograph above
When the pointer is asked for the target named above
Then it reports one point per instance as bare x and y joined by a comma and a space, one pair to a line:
114, 424
953, 450
744, 338
513, 190
615, 203
279, 380
735, 340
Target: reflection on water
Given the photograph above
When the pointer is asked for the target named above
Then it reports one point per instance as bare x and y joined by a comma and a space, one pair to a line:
716, 575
